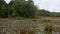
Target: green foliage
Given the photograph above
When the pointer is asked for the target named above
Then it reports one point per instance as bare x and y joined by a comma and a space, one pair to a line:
43, 12
17, 8
48, 13
22, 8
20, 18
3, 9
55, 14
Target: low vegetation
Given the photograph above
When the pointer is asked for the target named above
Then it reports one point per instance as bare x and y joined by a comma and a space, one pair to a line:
48, 29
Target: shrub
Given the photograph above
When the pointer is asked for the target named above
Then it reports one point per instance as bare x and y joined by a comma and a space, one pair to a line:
22, 31
46, 20
31, 32
48, 29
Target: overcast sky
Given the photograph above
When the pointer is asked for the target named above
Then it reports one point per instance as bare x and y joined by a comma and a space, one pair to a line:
51, 5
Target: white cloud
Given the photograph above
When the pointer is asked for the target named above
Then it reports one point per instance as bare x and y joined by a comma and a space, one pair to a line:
52, 5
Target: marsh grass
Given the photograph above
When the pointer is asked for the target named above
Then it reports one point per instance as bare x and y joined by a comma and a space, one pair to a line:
48, 29
31, 31
23, 31
44, 20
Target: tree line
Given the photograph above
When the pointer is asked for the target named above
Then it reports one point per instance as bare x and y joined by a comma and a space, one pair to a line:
22, 8
47, 13
17, 8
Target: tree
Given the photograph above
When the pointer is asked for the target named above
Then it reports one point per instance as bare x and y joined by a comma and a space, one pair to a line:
30, 1
19, 8
43, 12
12, 9
3, 8
25, 9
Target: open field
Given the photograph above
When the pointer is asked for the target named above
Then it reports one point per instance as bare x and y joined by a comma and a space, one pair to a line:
11, 26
